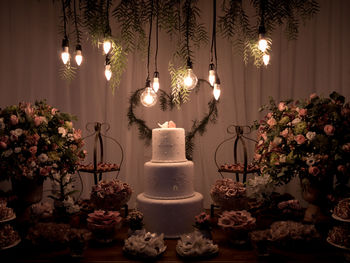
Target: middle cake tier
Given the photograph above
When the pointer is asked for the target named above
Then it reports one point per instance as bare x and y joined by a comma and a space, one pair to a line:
168, 180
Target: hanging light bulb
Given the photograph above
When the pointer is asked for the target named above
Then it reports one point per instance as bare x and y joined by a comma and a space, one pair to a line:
78, 55
65, 50
262, 44
190, 80
266, 59
108, 72
107, 46
211, 74
217, 89
155, 84
148, 96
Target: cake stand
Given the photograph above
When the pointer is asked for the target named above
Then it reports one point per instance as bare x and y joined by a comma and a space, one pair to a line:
4, 222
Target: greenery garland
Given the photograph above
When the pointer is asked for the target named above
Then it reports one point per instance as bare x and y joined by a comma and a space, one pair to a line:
166, 102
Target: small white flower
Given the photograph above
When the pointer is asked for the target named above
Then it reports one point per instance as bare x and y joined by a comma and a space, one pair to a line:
310, 135
62, 131
33, 164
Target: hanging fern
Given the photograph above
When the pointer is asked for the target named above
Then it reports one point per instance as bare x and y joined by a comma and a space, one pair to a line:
118, 61
67, 71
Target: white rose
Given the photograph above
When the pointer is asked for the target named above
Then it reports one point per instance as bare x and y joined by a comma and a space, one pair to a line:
310, 135
43, 157
62, 131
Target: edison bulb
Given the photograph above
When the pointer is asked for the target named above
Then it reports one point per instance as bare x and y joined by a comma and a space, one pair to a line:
155, 84
262, 44
216, 91
211, 77
65, 55
190, 80
107, 46
266, 59
148, 97
78, 57
108, 72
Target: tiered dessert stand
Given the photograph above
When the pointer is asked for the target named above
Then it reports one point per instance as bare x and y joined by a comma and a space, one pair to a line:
5, 222
346, 224
239, 134
99, 167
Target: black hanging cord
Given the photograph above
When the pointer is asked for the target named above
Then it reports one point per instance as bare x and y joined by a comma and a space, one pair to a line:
156, 54
64, 20
213, 37
262, 29
108, 28
76, 24
188, 5
149, 39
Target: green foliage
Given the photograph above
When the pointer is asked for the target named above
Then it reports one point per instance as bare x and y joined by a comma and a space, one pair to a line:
178, 92
167, 102
118, 61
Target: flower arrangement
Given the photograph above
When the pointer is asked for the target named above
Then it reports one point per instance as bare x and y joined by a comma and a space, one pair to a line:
104, 224
144, 245
229, 194
236, 220
291, 230
37, 141
309, 139
202, 222
194, 245
134, 220
110, 195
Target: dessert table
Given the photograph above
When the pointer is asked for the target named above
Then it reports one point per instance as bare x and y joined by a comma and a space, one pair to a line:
112, 252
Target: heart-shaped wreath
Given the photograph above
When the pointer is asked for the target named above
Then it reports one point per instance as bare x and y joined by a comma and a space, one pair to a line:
166, 102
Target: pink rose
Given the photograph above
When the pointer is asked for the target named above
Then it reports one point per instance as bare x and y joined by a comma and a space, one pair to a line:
44, 171
171, 124
346, 147
271, 122
281, 106
37, 121
3, 145
33, 150
29, 110
53, 111
300, 139
284, 133
329, 129
341, 168
302, 112
313, 170
14, 119
77, 134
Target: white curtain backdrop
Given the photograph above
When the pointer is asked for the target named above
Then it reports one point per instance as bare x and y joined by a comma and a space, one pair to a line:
319, 61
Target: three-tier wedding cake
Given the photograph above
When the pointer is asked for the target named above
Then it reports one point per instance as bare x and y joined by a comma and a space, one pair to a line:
169, 202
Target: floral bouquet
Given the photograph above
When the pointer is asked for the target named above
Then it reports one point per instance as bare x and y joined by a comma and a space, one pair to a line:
37, 141
202, 221
110, 195
104, 224
144, 245
134, 220
229, 194
237, 224
309, 139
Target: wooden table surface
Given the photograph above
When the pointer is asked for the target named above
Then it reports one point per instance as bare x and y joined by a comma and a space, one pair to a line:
108, 253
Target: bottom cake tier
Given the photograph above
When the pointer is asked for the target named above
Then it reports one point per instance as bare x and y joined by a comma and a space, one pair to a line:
171, 217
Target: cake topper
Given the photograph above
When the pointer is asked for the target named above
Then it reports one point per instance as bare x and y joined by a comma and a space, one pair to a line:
167, 124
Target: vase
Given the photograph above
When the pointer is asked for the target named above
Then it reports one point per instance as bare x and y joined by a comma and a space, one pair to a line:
28, 191
315, 195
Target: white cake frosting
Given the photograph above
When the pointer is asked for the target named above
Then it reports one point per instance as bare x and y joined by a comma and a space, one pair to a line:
168, 145
171, 217
169, 202
168, 180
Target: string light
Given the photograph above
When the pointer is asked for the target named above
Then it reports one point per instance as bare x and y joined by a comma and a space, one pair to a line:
266, 59
107, 45
217, 89
211, 74
148, 96
65, 50
108, 72
155, 84
78, 55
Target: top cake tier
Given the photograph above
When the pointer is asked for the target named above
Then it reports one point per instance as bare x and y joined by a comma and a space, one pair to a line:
168, 145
